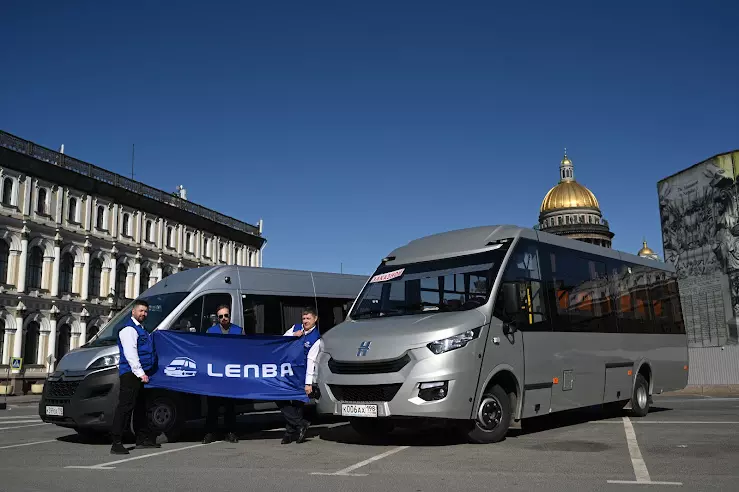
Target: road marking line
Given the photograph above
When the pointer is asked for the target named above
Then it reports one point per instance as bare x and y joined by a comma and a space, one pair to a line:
691, 400
681, 422
27, 444
28, 421
106, 466
29, 416
345, 471
640, 467
22, 426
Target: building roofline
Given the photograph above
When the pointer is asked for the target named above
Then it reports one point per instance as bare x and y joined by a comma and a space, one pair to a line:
696, 164
44, 154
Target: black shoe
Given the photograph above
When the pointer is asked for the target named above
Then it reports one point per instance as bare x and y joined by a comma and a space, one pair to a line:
231, 437
209, 438
118, 448
301, 433
148, 444
287, 439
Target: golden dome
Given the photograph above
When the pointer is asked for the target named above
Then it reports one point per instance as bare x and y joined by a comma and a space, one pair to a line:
569, 194
646, 250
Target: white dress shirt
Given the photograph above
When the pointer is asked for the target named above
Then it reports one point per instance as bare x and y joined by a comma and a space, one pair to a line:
129, 341
312, 356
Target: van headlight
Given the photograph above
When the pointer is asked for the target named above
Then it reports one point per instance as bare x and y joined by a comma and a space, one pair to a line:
455, 342
106, 361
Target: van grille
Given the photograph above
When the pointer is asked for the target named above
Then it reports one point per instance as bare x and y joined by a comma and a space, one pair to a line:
62, 389
338, 367
366, 392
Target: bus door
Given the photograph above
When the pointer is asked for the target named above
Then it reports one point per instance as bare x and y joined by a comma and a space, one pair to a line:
521, 305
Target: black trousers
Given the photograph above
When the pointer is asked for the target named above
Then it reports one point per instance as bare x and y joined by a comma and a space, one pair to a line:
292, 410
130, 400
229, 415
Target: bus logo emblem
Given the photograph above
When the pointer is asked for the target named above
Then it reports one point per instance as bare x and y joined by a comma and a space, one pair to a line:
363, 348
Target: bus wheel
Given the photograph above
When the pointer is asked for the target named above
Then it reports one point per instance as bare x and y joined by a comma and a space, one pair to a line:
492, 419
165, 415
374, 428
640, 398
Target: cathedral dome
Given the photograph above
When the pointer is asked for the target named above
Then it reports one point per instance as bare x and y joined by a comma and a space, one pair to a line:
569, 194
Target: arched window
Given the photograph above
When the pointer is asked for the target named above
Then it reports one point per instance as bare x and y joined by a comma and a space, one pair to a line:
66, 273
30, 352
34, 268
100, 218
125, 225
148, 233
41, 202
72, 210
63, 341
4, 260
166, 271
169, 237
92, 330
144, 279
8, 191
121, 277
96, 271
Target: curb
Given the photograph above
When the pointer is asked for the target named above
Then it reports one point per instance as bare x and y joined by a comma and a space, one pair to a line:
707, 390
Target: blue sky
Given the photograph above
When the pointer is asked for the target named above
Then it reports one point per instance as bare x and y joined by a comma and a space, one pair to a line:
354, 127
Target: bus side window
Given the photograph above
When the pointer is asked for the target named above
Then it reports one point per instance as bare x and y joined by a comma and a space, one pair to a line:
210, 307
189, 320
201, 313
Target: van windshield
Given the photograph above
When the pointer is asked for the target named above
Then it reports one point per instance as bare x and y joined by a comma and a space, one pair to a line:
159, 307
452, 284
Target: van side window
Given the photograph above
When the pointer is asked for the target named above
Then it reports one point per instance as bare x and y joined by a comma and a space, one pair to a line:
201, 313
521, 295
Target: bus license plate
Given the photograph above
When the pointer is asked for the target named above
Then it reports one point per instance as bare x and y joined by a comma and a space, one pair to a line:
358, 410
56, 411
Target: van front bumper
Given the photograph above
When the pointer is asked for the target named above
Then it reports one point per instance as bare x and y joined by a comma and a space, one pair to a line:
394, 387
87, 399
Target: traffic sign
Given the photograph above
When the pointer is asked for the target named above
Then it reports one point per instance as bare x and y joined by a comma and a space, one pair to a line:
16, 363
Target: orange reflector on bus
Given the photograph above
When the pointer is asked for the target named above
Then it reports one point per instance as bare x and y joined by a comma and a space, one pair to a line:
555, 380
630, 372
685, 367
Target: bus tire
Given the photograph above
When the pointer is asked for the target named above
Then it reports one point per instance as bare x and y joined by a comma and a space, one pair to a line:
371, 428
165, 415
492, 417
640, 397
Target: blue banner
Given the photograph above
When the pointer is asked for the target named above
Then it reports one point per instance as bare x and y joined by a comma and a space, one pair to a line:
234, 366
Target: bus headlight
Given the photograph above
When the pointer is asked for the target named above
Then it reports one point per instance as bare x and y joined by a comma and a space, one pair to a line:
455, 342
106, 361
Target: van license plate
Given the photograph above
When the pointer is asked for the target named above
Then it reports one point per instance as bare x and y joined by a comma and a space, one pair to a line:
358, 410
57, 411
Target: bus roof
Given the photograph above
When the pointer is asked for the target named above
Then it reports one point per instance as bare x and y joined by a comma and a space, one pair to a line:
265, 281
478, 239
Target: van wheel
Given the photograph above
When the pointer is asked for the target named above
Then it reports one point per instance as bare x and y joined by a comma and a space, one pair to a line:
165, 415
372, 428
492, 419
640, 398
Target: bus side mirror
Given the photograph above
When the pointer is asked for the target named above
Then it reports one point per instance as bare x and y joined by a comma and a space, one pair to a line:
509, 327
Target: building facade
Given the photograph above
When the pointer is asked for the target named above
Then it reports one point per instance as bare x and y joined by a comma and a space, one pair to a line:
699, 214
78, 242
570, 209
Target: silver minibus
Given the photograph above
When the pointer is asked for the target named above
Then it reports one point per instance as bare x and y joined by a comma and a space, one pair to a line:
83, 390
483, 327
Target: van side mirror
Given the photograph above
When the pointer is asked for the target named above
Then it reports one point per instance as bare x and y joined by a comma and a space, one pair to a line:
509, 328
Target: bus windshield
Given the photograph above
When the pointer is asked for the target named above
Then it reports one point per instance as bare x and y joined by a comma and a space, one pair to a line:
159, 307
452, 284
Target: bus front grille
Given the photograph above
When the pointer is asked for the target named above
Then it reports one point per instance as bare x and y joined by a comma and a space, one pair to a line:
395, 365
365, 392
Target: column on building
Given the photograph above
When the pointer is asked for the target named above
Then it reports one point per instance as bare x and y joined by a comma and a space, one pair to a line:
51, 351
43, 337
21, 285
113, 271
18, 339
86, 271
56, 265
84, 315
137, 277
160, 268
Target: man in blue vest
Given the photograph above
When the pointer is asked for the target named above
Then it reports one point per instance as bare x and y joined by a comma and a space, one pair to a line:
223, 327
138, 359
296, 426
